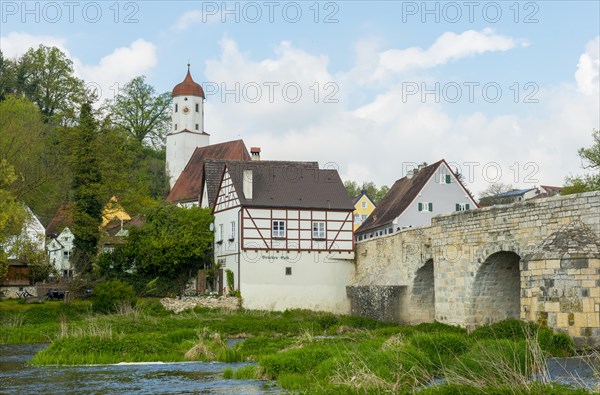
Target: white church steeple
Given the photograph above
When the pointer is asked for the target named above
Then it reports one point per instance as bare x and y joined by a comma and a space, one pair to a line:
187, 126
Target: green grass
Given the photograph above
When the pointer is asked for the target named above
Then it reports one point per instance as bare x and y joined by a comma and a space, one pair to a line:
358, 355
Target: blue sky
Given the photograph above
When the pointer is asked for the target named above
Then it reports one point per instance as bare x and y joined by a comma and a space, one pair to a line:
538, 62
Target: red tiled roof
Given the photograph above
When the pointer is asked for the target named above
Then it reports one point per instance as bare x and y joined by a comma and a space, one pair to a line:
62, 218
188, 87
400, 196
189, 184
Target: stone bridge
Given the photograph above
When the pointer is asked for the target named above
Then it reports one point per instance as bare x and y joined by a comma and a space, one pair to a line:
537, 260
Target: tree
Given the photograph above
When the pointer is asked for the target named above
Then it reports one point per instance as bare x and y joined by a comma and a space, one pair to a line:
12, 213
376, 194
7, 77
46, 76
87, 193
487, 197
590, 160
141, 112
35, 151
172, 244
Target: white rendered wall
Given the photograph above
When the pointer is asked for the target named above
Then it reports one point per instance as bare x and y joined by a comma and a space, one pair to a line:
181, 145
317, 281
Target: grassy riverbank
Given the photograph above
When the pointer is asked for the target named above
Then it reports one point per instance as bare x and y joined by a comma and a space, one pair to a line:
303, 351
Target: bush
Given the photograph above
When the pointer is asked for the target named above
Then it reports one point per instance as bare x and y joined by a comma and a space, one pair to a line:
108, 295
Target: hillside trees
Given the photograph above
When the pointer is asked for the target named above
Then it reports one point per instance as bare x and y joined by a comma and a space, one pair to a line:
46, 76
86, 192
172, 245
141, 112
12, 213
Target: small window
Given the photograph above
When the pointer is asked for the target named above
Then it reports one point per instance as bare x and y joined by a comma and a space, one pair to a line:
176, 107
425, 206
364, 217
357, 218
390, 230
364, 204
175, 127
279, 229
197, 127
318, 230
221, 232
288, 271
445, 178
197, 107
185, 98
462, 206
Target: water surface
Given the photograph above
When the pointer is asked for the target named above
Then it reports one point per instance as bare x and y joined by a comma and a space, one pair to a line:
16, 377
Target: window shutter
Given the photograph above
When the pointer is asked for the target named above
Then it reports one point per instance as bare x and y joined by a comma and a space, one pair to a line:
420, 206
467, 206
430, 206
457, 207
447, 178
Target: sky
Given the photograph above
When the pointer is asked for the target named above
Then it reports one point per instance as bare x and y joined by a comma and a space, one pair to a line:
505, 91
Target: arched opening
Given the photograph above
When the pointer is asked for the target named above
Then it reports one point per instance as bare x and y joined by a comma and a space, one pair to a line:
497, 289
423, 294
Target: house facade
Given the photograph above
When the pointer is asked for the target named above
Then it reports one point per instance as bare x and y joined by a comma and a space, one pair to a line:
60, 250
413, 200
363, 207
285, 231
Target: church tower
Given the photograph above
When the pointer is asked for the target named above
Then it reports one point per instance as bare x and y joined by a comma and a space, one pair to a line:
187, 127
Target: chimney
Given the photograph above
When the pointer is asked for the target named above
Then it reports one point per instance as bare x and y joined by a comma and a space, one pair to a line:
255, 153
247, 184
422, 166
410, 173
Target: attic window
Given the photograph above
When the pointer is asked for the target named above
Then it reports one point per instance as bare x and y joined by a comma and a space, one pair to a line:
445, 179
425, 207
364, 204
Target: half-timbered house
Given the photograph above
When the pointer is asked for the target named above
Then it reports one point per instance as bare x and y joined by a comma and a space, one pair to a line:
285, 230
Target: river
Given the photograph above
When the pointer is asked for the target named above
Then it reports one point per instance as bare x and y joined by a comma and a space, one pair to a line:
17, 377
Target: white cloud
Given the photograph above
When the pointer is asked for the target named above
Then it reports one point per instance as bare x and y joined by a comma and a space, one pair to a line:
588, 68
373, 141
189, 18
119, 67
112, 71
446, 48
16, 44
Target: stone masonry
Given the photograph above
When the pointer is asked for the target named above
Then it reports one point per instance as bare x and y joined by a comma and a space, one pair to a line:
537, 260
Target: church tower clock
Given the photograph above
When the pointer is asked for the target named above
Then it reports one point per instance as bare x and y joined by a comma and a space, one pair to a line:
187, 127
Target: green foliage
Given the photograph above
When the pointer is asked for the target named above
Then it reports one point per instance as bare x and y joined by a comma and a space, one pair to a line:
108, 295
45, 75
87, 194
141, 112
293, 361
230, 280
376, 194
591, 160
172, 244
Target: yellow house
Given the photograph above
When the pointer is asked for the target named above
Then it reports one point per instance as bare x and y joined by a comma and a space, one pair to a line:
363, 207
114, 210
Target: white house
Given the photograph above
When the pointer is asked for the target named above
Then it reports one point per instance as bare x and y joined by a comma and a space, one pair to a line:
285, 230
413, 200
60, 249
33, 232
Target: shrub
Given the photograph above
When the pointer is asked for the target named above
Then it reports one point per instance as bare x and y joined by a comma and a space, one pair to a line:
109, 294
293, 361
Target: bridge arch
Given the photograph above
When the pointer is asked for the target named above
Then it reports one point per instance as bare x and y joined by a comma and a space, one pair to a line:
422, 298
496, 292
